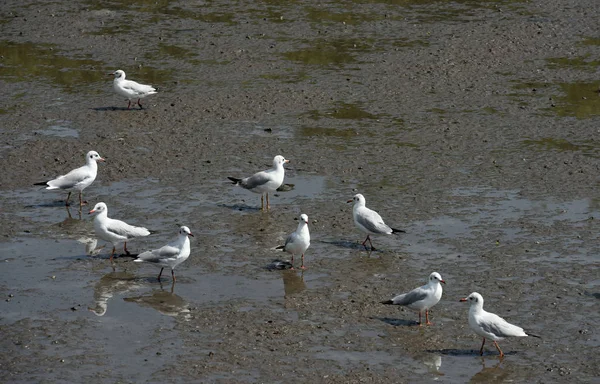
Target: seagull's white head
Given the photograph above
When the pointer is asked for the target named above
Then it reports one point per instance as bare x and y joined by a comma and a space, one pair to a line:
436, 277
118, 74
279, 160
304, 218
185, 231
474, 299
99, 208
92, 156
358, 199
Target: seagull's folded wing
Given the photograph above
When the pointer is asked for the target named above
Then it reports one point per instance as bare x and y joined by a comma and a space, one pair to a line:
410, 298
71, 179
158, 255
256, 180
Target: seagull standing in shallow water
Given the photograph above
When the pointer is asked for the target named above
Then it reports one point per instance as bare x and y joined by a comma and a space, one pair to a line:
114, 231
369, 221
298, 241
422, 298
264, 181
77, 179
489, 325
171, 255
130, 89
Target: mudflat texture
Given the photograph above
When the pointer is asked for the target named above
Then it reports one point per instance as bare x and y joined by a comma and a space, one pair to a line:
473, 125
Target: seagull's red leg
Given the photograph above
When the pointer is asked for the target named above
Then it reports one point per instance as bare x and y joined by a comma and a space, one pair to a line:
68, 197
372, 247
499, 350
427, 322
129, 105
113, 253
140, 104
302, 266
292, 261
364, 243
173, 274
482, 344
262, 202
268, 205
125, 249
420, 321
160, 273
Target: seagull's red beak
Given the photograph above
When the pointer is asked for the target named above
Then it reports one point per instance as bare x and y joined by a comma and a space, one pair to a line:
92, 211
189, 234
463, 299
101, 159
442, 281
286, 161
349, 201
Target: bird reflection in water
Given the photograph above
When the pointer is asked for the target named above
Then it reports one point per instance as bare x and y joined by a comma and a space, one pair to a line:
109, 285
91, 245
293, 281
165, 302
494, 374
433, 362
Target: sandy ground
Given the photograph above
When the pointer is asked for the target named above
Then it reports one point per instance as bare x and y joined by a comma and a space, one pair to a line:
471, 124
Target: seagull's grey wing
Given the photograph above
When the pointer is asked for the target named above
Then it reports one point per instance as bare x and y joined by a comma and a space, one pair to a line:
256, 180
158, 255
137, 88
71, 179
372, 221
290, 239
123, 229
496, 325
410, 298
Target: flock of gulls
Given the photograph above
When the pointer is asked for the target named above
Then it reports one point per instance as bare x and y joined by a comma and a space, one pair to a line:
485, 324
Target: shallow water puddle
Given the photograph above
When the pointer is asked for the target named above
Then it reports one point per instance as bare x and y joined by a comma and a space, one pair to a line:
492, 215
59, 128
28, 61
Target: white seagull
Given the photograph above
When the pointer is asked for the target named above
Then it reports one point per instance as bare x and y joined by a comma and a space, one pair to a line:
264, 181
369, 221
171, 255
422, 298
77, 179
489, 325
298, 241
114, 231
130, 89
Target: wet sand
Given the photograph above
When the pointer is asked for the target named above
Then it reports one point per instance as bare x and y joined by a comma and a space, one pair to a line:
470, 124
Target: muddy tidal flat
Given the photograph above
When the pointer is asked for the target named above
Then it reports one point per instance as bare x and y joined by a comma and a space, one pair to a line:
471, 124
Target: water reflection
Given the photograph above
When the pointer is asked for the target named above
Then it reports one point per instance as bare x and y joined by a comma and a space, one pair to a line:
432, 361
493, 374
109, 285
293, 282
91, 245
165, 302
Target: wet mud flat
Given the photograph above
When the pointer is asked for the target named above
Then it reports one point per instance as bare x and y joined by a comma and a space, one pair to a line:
470, 124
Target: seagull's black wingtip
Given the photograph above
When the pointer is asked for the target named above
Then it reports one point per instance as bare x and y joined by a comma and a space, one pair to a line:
388, 302
394, 230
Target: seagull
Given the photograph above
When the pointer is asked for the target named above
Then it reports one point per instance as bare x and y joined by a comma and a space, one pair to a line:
264, 181
369, 221
171, 255
130, 89
489, 325
77, 179
422, 298
114, 231
298, 241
